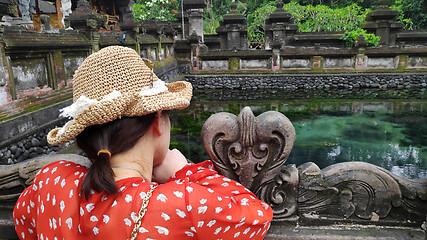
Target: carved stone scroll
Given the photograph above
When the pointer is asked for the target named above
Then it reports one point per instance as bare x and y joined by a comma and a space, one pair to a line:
360, 192
252, 151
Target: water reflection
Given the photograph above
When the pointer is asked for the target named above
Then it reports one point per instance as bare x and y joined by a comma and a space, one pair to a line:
386, 132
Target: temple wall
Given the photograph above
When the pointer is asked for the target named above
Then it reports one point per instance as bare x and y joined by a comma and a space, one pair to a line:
309, 82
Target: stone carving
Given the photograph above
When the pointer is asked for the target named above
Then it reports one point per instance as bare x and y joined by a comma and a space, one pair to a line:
65, 9
279, 28
45, 23
362, 192
85, 19
252, 151
26, 8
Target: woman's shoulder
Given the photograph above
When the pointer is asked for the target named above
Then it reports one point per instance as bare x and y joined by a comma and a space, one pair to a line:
61, 168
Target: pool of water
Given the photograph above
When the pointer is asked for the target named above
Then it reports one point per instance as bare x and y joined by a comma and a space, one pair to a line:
386, 130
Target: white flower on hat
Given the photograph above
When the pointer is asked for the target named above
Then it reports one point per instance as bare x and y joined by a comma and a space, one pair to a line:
82, 104
158, 87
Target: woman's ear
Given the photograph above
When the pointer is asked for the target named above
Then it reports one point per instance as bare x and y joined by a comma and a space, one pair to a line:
156, 124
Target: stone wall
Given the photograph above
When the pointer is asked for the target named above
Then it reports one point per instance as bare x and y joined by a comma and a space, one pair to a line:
294, 82
171, 71
24, 136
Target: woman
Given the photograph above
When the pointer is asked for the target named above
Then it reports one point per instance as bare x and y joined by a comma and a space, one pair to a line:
136, 188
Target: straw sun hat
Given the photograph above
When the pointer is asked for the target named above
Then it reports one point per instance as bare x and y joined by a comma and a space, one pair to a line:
112, 83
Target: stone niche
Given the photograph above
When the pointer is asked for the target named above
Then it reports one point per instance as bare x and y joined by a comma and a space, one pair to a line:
382, 62
3, 90
72, 61
29, 73
334, 63
254, 63
417, 62
296, 63
215, 65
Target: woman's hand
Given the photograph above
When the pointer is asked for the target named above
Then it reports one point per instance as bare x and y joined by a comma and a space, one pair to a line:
174, 161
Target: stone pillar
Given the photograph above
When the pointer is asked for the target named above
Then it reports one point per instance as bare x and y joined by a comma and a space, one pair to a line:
51, 76
194, 43
360, 62
233, 30
279, 27
59, 69
403, 62
129, 26
7, 85
196, 22
276, 58
317, 63
383, 22
193, 10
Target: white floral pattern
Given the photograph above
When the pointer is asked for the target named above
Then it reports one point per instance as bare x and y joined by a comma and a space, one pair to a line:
196, 203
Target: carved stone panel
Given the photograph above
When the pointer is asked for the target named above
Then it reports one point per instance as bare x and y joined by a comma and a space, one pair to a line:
360, 192
252, 151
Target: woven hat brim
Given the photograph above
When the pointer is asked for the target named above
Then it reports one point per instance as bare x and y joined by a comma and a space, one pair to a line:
178, 96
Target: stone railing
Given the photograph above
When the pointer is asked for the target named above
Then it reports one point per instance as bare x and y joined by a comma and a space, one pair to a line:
253, 150
287, 50
353, 197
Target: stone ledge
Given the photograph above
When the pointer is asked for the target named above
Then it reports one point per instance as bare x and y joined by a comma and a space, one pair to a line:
344, 232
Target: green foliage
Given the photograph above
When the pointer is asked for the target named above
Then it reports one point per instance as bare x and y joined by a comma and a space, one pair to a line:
339, 3
412, 13
214, 12
309, 18
351, 36
161, 10
323, 18
256, 22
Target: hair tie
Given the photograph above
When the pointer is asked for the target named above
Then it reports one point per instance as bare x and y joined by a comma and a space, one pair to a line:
104, 151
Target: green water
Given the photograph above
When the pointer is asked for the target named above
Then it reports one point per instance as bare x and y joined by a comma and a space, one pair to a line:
390, 133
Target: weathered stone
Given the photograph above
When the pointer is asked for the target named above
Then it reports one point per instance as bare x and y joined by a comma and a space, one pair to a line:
35, 142
351, 192
18, 152
13, 148
252, 151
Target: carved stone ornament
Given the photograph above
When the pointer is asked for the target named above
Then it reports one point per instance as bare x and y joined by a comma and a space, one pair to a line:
360, 192
252, 151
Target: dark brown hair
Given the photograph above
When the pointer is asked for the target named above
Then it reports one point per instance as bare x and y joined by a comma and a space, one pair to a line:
117, 136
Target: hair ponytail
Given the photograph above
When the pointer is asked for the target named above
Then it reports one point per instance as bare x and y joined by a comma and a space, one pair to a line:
117, 136
99, 177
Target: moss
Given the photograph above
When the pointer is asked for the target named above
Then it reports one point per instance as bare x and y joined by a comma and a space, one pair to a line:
34, 104
163, 62
234, 63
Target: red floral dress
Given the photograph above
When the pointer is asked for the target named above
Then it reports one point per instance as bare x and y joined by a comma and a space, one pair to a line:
196, 203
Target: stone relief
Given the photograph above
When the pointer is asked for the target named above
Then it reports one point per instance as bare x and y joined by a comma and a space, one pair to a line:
360, 191
65, 9
26, 8
253, 150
